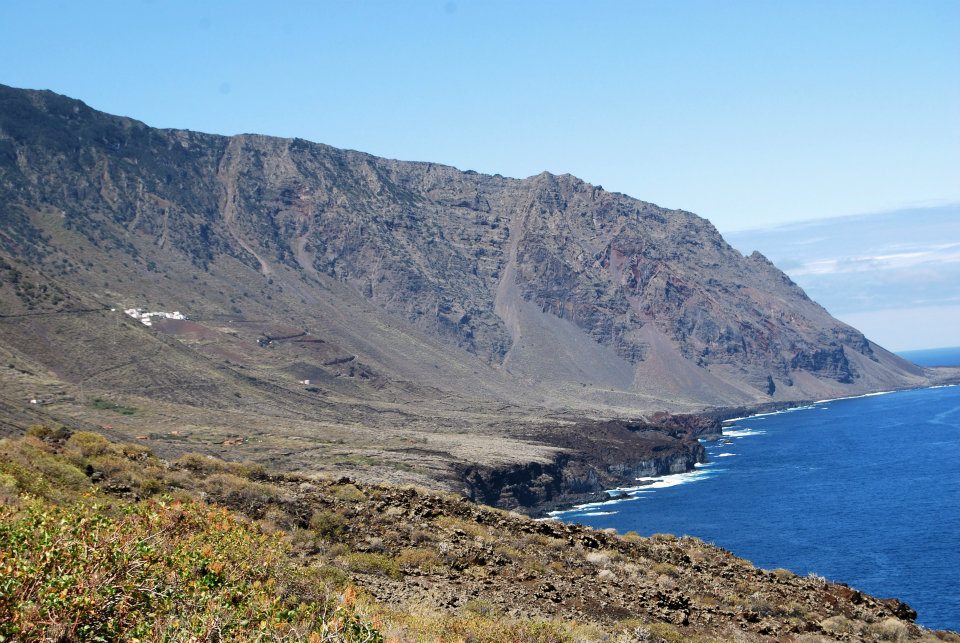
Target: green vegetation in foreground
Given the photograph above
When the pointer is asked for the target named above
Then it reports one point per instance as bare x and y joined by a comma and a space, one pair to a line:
155, 570
77, 565
80, 564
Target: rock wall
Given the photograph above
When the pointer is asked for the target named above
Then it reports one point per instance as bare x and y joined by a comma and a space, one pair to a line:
618, 453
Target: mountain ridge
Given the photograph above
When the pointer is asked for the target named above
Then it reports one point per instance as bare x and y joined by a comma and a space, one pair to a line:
387, 304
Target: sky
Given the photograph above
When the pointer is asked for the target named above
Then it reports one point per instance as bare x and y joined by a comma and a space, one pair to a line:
893, 275
750, 114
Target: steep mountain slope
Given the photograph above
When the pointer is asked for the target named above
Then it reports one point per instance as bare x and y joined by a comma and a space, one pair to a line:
403, 322
544, 291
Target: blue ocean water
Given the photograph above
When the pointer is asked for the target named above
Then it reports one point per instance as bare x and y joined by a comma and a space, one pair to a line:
934, 356
864, 491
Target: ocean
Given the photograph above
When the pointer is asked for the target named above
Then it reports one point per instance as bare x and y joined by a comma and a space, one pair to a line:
864, 491
934, 356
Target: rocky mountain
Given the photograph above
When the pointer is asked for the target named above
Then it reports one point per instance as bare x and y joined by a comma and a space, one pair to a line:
408, 311
547, 278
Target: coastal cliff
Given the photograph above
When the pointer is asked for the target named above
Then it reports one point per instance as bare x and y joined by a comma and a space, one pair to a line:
595, 457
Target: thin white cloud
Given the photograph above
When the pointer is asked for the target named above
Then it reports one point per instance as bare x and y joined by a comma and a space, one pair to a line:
939, 254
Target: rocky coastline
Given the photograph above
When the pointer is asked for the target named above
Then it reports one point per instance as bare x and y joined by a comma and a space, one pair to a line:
617, 453
614, 453
411, 564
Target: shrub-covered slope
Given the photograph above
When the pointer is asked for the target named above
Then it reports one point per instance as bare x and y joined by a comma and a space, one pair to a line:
100, 541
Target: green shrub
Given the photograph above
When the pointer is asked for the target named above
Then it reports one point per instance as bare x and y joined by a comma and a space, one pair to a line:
107, 405
39, 473
153, 571
84, 444
368, 563
47, 433
348, 493
200, 463
207, 465
9, 494
328, 525
235, 491
426, 560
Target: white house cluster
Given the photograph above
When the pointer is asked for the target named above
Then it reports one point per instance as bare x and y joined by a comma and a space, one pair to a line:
146, 318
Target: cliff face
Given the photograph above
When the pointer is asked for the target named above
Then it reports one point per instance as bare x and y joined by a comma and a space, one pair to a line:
592, 457
553, 283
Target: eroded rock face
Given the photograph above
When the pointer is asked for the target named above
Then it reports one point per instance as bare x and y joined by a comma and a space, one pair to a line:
547, 277
594, 457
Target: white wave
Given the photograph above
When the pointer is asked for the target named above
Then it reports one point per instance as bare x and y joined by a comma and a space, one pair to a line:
600, 513
627, 494
743, 433
576, 509
760, 416
667, 481
725, 455
854, 397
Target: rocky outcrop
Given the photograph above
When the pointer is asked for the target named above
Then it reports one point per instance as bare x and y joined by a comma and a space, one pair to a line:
482, 574
615, 454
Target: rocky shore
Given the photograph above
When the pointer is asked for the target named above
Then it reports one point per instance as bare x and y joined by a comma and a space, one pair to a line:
597, 456
594, 456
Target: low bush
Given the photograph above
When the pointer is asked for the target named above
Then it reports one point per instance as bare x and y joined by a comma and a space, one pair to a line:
368, 563
235, 491
153, 571
37, 472
328, 525
84, 444
44, 432
665, 569
426, 560
348, 493
208, 465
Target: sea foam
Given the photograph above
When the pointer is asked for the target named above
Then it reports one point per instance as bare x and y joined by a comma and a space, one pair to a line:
742, 433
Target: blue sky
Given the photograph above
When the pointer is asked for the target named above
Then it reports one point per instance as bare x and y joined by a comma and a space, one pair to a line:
747, 113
